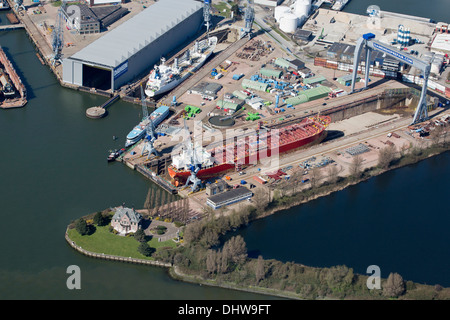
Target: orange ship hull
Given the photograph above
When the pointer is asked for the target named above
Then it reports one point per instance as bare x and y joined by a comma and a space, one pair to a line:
290, 138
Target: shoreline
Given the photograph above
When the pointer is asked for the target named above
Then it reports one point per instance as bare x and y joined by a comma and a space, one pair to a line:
348, 184
175, 273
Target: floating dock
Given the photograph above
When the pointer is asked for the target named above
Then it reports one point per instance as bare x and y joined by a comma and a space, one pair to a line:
10, 78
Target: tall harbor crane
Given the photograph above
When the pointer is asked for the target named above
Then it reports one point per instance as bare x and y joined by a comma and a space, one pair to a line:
150, 130
249, 17
206, 14
58, 38
194, 165
368, 43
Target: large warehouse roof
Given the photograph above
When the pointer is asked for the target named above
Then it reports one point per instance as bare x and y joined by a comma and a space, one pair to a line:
121, 43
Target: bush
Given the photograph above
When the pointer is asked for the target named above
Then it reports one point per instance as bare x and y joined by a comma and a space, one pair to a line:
100, 219
82, 227
145, 250
178, 224
140, 235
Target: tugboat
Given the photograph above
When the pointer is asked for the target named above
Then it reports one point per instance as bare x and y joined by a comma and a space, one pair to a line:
114, 154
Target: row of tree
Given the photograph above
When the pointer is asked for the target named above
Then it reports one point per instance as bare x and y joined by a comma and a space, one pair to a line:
159, 203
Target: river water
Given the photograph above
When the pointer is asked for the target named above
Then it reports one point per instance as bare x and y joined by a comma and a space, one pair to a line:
54, 170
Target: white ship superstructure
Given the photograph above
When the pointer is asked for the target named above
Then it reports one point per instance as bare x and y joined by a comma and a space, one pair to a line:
165, 77
339, 5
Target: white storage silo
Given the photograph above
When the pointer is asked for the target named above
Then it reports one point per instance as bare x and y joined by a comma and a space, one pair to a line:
302, 8
288, 23
280, 11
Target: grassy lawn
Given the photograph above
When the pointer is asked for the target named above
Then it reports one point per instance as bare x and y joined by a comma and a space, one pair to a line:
221, 6
103, 241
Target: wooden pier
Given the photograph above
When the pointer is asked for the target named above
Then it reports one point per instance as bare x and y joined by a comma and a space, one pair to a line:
100, 111
12, 27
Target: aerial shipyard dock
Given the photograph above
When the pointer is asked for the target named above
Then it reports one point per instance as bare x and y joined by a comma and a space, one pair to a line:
271, 76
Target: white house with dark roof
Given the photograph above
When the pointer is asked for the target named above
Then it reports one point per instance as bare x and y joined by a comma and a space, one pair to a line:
126, 220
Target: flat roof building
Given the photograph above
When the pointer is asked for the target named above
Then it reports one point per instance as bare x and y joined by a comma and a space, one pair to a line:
229, 197
207, 89
133, 48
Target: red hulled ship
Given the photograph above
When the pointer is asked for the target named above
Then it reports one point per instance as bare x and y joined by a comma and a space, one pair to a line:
248, 149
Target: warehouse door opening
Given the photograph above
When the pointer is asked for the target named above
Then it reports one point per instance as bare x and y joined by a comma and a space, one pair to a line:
96, 78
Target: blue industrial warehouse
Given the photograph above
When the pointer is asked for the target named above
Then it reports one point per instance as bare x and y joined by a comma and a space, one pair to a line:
135, 46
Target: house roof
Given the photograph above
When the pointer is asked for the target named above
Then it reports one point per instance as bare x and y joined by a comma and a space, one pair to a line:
131, 213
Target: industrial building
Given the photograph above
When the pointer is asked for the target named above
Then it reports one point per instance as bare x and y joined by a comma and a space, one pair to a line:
254, 85
271, 73
217, 187
135, 46
314, 80
346, 80
100, 2
309, 95
92, 20
255, 102
229, 197
207, 90
302, 35
271, 3
86, 24
230, 107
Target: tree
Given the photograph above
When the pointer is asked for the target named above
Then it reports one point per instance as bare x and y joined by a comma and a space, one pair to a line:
81, 226
139, 235
315, 176
211, 261
99, 219
333, 174
261, 200
210, 238
145, 249
260, 273
356, 166
193, 232
394, 286
385, 156
436, 135
236, 250
149, 200
235, 10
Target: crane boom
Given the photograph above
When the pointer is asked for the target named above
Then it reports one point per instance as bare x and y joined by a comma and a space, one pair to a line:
368, 43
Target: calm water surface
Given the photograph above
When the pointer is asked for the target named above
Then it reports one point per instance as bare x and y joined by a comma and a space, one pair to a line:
53, 170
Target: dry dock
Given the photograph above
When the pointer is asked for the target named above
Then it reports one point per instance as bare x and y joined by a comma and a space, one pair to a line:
10, 78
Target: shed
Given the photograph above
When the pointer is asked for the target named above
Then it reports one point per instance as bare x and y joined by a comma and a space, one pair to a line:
270, 73
233, 106
240, 95
346, 80
217, 187
309, 95
256, 103
283, 63
246, 83
314, 80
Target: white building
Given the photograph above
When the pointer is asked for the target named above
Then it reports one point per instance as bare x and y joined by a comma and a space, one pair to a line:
256, 103
269, 3
126, 220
